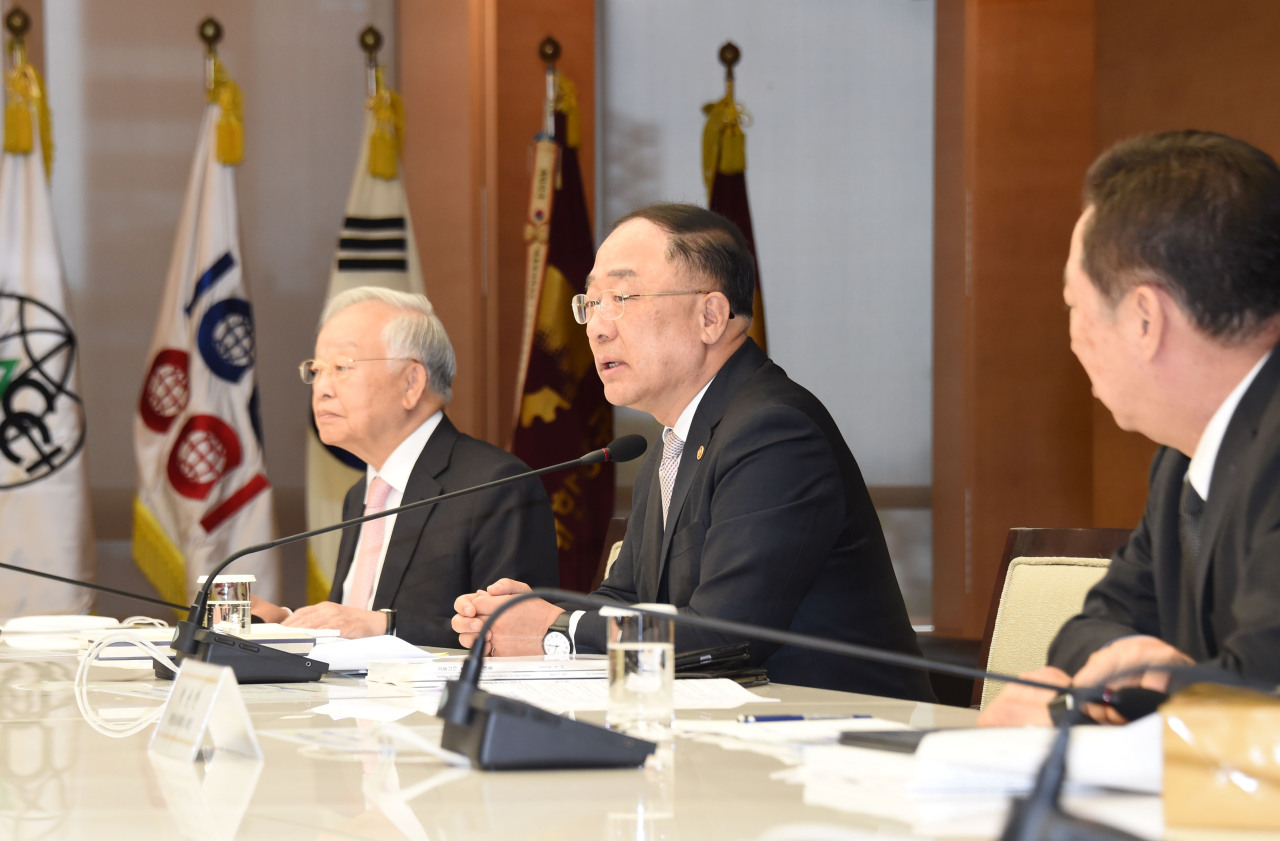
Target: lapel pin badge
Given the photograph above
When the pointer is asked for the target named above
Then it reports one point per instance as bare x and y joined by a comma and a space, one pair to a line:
701, 450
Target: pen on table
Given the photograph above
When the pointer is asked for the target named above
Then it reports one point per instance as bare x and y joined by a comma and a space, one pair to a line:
764, 719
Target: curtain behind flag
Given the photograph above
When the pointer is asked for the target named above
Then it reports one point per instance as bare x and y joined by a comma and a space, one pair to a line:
44, 493
375, 248
562, 409
724, 168
202, 485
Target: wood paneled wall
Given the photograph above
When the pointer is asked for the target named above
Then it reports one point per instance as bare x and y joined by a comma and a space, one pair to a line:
473, 88
1028, 93
1012, 420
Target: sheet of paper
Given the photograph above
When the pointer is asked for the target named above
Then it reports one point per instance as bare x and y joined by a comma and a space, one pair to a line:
345, 655
593, 695
1129, 758
812, 731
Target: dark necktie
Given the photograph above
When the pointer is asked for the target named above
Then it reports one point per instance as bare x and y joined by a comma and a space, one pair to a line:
1190, 513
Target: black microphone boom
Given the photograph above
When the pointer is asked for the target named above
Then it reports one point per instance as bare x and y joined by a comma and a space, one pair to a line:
253, 663
99, 587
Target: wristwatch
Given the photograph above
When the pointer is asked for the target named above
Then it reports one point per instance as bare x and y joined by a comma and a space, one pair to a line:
557, 641
390, 613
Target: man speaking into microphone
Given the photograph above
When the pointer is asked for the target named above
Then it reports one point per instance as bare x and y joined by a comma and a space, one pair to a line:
753, 509
380, 380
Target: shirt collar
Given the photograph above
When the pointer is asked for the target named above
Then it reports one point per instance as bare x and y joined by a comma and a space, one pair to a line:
395, 472
686, 417
1200, 471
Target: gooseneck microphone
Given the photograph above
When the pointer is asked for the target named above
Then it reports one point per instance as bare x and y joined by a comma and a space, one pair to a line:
498, 733
254, 663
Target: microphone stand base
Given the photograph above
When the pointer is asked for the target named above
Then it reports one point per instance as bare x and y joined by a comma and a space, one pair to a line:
250, 662
503, 734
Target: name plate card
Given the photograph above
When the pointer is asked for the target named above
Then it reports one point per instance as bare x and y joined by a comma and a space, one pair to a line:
205, 701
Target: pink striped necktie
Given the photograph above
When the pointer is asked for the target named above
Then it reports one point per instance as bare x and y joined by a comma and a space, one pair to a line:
371, 534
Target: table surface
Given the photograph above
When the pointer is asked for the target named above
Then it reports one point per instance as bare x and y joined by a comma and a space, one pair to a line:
64, 779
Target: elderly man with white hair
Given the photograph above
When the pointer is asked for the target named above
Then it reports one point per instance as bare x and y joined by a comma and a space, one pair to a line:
380, 380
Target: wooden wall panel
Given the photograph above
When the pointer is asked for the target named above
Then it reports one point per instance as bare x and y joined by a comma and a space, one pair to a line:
473, 89
1175, 64
1012, 421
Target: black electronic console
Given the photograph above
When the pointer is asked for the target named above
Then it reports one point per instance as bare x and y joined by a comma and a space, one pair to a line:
503, 734
250, 661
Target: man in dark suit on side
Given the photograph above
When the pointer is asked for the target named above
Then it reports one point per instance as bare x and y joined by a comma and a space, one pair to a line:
1173, 284
760, 514
382, 376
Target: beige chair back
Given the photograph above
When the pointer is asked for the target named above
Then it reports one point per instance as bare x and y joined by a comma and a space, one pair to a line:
1039, 596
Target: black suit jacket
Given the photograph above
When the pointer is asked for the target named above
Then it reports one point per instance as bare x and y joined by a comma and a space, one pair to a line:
770, 523
1223, 610
438, 552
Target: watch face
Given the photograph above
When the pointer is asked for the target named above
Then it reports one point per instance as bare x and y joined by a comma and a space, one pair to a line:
557, 644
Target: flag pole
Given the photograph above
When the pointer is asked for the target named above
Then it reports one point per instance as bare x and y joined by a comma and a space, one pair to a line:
729, 56
371, 43
18, 22
549, 52
210, 32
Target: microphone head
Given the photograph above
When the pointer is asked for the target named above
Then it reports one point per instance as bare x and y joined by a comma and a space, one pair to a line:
626, 448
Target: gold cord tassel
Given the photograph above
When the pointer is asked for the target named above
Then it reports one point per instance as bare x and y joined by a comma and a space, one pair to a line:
226, 94
388, 130
724, 146
25, 101
567, 104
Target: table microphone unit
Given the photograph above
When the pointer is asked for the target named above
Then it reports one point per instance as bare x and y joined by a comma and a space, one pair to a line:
498, 733
255, 663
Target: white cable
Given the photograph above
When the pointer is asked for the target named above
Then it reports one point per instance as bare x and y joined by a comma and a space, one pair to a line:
143, 622
115, 729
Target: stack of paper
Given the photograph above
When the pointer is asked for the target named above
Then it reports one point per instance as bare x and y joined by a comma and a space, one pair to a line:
293, 640
410, 673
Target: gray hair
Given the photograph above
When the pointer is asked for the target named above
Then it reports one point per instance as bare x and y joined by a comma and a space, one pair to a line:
416, 333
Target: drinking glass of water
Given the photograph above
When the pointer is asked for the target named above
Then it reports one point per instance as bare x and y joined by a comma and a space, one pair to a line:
229, 603
641, 671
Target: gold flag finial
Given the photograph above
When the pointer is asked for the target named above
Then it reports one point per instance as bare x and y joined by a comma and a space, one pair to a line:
724, 146
24, 96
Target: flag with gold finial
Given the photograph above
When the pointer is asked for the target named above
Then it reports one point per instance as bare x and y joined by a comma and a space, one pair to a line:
375, 248
203, 491
562, 411
724, 169
44, 491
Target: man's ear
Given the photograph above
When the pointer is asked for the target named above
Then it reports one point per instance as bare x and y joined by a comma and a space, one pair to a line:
414, 384
1149, 318
714, 315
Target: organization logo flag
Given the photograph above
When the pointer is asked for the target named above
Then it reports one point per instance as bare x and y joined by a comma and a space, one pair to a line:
562, 411
202, 485
724, 169
375, 248
44, 493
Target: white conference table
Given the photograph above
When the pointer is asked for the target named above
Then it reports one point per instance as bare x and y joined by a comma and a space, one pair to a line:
60, 778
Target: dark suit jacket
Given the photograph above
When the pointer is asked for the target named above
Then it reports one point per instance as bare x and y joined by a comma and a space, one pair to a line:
771, 524
1225, 609
439, 552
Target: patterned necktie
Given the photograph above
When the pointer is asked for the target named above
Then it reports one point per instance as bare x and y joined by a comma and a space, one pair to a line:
672, 446
371, 534
1190, 513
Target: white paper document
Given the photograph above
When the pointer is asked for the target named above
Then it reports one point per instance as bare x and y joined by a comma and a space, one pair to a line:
958, 782
420, 671
344, 655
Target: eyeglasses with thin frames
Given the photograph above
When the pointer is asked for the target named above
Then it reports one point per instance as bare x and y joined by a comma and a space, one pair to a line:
311, 369
611, 303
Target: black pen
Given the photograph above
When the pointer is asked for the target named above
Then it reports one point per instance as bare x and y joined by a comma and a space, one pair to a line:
766, 719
